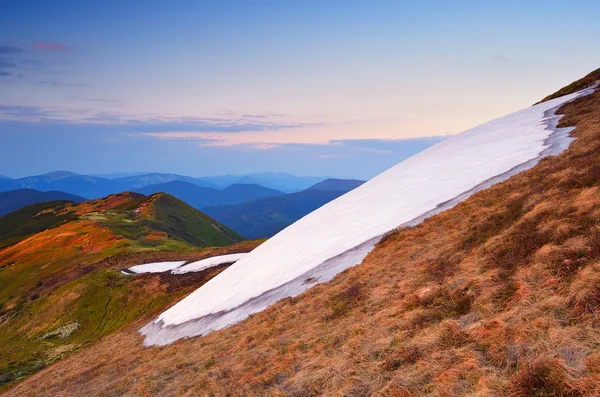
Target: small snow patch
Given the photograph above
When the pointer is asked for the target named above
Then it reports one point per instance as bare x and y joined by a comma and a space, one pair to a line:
156, 267
208, 263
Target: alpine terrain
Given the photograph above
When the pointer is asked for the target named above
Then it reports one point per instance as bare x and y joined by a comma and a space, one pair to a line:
470, 268
62, 284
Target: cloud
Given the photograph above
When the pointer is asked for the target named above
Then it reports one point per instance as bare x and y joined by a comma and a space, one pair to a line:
176, 127
7, 63
263, 146
7, 60
61, 84
32, 62
22, 112
10, 50
4, 64
50, 46
266, 140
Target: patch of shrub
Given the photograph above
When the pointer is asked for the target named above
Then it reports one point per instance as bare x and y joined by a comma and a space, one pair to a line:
341, 304
514, 247
492, 224
541, 378
451, 336
586, 304
444, 266
404, 355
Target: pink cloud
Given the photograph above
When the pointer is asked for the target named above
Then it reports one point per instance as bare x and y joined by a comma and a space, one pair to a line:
50, 46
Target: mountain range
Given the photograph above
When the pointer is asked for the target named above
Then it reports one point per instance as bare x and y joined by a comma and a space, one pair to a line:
92, 187
266, 217
201, 197
250, 209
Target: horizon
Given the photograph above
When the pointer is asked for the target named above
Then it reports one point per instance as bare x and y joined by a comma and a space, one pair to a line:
346, 89
115, 175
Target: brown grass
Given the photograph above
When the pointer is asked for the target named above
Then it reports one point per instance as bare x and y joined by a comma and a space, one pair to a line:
498, 296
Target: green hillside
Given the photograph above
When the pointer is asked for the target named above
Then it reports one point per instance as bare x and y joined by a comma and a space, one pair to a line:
61, 285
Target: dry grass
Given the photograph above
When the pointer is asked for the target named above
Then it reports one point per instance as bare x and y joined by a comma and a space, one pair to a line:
498, 296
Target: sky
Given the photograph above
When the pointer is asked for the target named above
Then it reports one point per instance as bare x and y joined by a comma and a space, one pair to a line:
337, 88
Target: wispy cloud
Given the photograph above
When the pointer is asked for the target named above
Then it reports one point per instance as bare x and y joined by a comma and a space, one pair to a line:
32, 62
61, 84
10, 50
157, 126
9, 59
7, 63
50, 46
25, 113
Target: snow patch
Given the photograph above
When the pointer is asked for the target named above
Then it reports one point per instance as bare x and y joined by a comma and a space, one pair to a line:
341, 233
156, 267
208, 263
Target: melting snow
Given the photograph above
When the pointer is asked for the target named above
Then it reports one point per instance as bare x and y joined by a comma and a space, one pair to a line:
208, 263
157, 267
341, 233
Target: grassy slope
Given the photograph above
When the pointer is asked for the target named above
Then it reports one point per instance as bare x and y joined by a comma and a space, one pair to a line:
13, 200
32, 219
69, 273
589, 80
498, 296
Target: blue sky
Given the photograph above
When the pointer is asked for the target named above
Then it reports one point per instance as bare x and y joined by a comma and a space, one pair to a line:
344, 88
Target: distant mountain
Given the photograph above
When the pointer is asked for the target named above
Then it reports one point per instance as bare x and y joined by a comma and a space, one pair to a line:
93, 187
343, 185
275, 180
240, 193
114, 175
265, 217
15, 199
4, 178
63, 181
201, 197
142, 180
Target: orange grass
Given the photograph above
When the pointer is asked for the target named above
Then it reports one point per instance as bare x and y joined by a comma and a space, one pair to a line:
499, 296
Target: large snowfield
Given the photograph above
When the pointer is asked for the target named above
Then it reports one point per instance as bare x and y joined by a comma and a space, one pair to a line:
341, 233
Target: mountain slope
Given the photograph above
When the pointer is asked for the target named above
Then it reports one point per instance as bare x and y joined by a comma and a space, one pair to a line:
201, 197
338, 185
15, 199
496, 296
266, 217
32, 219
93, 230
60, 270
341, 233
